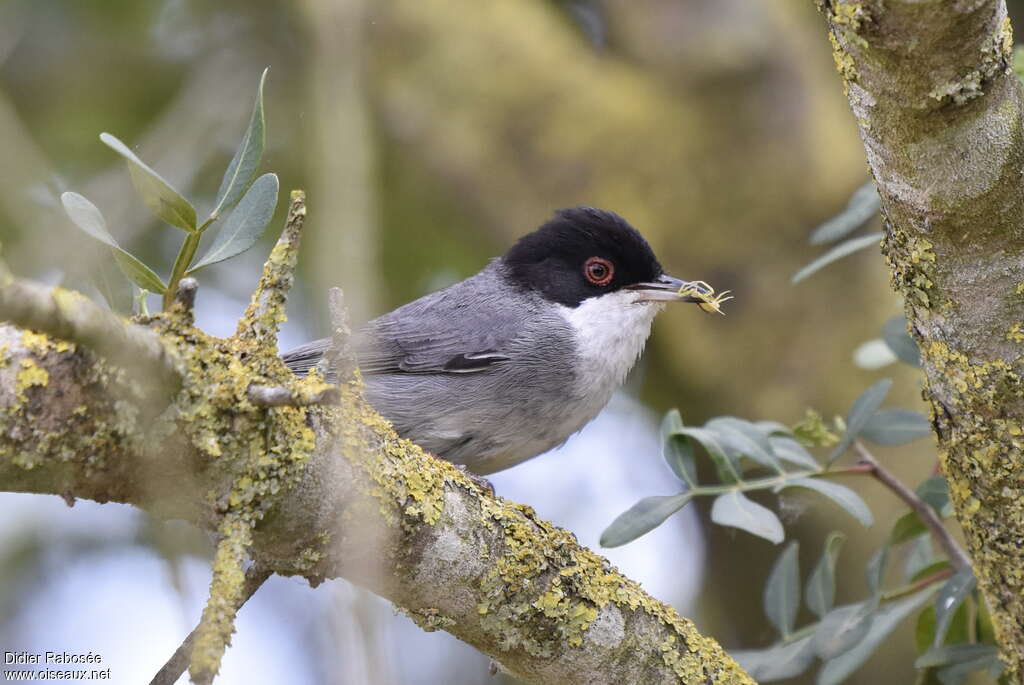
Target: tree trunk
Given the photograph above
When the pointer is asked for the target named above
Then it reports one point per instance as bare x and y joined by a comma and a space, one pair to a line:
939, 112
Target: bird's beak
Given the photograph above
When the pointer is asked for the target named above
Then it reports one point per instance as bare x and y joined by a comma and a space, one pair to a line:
666, 289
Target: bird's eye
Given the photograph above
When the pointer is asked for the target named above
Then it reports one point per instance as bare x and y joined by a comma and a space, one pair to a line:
598, 271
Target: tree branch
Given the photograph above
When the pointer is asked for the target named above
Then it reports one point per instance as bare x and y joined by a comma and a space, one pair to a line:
328, 491
940, 113
67, 315
179, 661
957, 557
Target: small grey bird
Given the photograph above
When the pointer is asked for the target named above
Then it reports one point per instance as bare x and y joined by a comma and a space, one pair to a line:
510, 362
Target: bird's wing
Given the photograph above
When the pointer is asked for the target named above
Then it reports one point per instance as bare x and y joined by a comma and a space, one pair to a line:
465, 328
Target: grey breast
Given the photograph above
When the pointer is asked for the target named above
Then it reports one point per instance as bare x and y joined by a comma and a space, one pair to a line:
468, 373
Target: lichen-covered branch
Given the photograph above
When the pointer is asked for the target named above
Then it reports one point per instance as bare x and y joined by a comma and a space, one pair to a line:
67, 315
182, 657
324, 491
939, 112
265, 312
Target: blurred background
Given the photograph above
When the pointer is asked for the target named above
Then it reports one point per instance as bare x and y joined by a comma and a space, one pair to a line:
429, 134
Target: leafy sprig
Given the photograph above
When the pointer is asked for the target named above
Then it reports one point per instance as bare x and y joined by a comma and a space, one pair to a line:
248, 204
953, 631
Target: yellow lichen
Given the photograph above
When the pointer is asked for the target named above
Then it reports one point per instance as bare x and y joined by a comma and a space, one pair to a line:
982, 457
845, 64
850, 15
1016, 333
31, 375
226, 588
996, 54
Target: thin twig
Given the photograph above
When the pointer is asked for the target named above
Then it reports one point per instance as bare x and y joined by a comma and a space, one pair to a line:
957, 556
281, 396
265, 312
186, 293
911, 588
255, 576
340, 357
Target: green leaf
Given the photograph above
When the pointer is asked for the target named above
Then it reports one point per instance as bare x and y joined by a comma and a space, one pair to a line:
881, 625
790, 450
247, 157
862, 207
840, 494
778, 662
782, 590
906, 527
842, 629
246, 223
677, 449
895, 335
138, 272
875, 571
920, 556
109, 280
935, 491
930, 570
727, 469
819, 594
896, 427
166, 202
861, 410
954, 654
950, 597
924, 630
836, 253
642, 517
873, 354
772, 428
743, 439
88, 217
956, 674
736, 510
959, 627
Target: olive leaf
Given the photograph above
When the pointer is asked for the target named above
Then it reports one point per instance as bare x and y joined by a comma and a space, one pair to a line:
821, 585
642, 517
778, 662
836, 253
862, 207
894, 333
166, 202
880, 626
951, 595
782, 590
736, 510
88, 218
743, 439
677, 449
860, 412
846, 498
247, 157
246, 223
896, 427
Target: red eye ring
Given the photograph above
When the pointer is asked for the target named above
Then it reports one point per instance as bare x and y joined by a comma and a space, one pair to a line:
599, 270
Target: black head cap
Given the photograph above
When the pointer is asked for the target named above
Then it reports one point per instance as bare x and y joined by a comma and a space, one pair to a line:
581, 253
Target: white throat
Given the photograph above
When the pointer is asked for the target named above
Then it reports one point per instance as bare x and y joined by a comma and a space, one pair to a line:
611, 331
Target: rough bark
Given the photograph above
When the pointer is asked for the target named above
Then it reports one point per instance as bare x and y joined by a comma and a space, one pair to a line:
939, 112
322, 491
